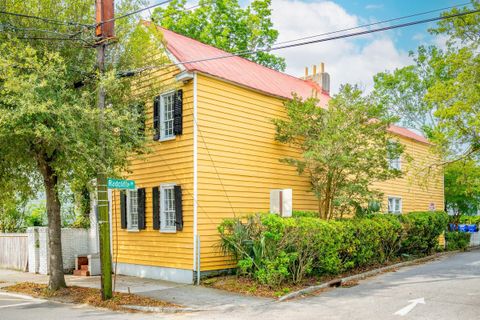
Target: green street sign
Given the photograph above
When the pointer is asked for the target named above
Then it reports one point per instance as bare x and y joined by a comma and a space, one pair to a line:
120, 184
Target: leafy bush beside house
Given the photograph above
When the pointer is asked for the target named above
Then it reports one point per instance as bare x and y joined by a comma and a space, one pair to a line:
464, 219
457, 240
274, 250
422, 231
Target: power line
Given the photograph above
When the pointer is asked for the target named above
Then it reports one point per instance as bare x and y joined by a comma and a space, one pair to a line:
248, 52
135, 12
402, 25
373, 23
10, 26
48, 20
48, 38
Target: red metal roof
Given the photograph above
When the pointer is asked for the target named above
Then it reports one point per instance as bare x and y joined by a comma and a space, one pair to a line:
237, 69
250, 74
404, 132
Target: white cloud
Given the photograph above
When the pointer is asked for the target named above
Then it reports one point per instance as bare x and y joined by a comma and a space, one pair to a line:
373, 6
347, 60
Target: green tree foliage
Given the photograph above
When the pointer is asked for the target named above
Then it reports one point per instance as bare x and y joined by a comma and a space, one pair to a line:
462, 187
344, 148
49, 128
439, 93
225, 25
12, 215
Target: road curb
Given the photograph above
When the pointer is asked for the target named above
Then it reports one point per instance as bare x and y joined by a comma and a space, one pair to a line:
21, 296
338, 282
160, 309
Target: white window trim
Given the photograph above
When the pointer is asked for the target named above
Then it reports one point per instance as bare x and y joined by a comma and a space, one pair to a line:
129, 217
395, 160
401, 204
162, 217
161, 124
398, 160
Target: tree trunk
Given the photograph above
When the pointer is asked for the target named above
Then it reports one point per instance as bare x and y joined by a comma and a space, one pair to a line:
50, 181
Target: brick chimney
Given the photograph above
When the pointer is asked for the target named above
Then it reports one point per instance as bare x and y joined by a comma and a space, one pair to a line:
322, 78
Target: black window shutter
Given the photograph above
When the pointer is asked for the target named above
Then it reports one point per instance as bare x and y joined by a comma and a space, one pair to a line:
178, 113
156, 207
123, 209
140, 112
178, 207
141, 208
156, 118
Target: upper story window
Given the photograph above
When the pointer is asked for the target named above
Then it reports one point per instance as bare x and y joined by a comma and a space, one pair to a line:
394, 160
394, 205
168, 115
167, 101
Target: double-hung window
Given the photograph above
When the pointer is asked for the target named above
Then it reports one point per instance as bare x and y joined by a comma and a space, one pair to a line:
394, 160
132, 209
394, 205
167, 101
167, 208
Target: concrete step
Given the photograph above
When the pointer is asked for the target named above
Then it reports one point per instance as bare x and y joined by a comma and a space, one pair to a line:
83, 273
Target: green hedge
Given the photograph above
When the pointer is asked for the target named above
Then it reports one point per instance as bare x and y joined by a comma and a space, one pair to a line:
304, 214
463, 219
422, 231
457, 240
274, 250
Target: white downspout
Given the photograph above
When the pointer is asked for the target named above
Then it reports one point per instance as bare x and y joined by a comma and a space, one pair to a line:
196, 260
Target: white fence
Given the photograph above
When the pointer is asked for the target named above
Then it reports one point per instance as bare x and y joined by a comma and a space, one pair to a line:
74, 242
14, 251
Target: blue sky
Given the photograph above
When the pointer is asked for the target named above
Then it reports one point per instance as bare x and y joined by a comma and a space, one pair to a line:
353, 60
406, 38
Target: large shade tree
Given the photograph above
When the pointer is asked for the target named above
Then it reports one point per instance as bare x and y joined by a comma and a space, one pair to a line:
462, 187
439, 93
226, 25
344, 148
50, 127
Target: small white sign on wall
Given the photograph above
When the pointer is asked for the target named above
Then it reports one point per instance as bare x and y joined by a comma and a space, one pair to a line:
281, 202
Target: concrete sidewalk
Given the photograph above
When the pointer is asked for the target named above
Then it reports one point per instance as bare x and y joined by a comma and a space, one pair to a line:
189, 296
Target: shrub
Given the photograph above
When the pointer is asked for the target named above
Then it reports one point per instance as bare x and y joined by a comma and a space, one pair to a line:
392, 234
457, 240
274, 271
273, 249
422, 230
463, 219
305, 214
80, 222
313, 245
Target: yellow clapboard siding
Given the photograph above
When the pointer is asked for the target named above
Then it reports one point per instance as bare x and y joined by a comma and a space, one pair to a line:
168, 161
237, 155
417, 188
238, 165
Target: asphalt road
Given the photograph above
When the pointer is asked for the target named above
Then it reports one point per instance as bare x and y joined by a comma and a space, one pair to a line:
448, 288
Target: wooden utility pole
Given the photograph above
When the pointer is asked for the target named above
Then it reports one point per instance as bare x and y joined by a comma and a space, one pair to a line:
104, 31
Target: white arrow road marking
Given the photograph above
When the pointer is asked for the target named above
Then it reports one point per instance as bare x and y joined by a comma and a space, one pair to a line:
407, 309
19, 304
19, 298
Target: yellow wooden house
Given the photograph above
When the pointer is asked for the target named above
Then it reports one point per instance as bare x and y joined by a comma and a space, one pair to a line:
214, 156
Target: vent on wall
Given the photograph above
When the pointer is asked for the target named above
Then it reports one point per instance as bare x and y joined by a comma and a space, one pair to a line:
281, 202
